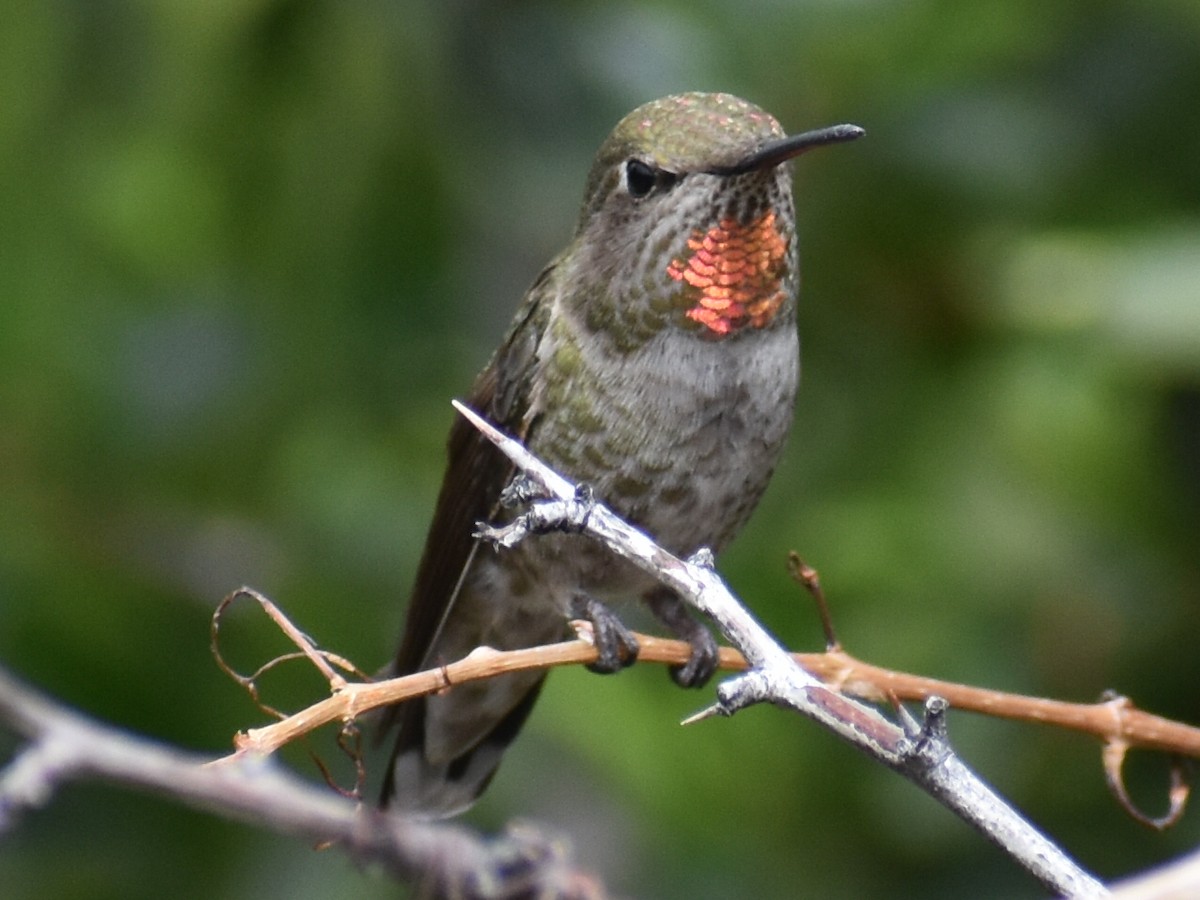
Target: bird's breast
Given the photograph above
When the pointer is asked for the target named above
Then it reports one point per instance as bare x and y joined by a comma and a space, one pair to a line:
680, 436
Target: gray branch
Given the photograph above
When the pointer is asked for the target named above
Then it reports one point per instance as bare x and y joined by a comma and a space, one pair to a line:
446, 861
919, 751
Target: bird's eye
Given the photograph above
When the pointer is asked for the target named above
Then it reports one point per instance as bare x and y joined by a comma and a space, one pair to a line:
640, 178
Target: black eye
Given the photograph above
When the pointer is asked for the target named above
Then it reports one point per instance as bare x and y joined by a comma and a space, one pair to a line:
640, 178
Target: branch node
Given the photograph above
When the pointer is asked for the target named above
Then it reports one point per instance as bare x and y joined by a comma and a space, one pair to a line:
926, 744
934, 727
542, 517
503, 537
742, 690
584, 630
521, 491
30, 780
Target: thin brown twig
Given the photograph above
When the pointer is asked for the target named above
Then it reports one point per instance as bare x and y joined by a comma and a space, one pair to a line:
1108, 720
808, 578
307, 650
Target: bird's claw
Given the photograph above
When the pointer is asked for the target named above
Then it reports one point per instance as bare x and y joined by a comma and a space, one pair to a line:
616, 646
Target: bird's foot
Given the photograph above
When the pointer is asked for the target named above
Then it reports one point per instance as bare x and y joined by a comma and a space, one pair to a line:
616, 647
705, 655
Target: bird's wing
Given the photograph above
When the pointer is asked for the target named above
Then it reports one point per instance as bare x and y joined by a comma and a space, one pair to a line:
476, 472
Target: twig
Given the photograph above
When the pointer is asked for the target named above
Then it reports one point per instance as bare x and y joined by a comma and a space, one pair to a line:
922, 754
447, 860
806, 576
1106, 720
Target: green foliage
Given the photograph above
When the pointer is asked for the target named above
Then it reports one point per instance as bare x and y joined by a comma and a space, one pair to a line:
250, 250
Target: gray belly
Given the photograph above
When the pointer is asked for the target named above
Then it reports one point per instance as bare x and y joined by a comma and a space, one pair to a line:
680, 439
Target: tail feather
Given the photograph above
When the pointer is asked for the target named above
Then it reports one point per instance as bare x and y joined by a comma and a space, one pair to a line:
417, 785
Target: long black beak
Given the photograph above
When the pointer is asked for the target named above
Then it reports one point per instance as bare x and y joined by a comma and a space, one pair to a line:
775, 152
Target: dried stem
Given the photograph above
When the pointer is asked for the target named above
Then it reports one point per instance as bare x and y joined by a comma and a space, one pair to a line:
1110, 720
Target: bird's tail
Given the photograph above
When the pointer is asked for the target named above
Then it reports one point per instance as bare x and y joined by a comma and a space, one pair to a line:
450, 745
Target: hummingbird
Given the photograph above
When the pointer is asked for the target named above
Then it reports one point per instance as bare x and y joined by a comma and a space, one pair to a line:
655, 359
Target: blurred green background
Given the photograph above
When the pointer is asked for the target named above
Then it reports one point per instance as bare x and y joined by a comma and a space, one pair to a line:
249, 250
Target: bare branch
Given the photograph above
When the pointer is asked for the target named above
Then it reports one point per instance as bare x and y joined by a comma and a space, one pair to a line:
447, 861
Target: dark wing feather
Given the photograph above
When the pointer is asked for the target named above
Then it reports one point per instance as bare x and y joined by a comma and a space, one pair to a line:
476, 473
